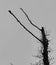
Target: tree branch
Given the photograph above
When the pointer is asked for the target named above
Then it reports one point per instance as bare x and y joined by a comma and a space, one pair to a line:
29, 19
24, 26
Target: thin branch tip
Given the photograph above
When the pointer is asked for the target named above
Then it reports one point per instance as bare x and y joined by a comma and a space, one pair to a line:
21, 8
9, 11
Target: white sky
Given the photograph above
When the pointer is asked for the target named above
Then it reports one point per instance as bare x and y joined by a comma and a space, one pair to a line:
15, 42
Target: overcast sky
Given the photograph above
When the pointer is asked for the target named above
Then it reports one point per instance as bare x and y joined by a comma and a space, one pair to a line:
16, 44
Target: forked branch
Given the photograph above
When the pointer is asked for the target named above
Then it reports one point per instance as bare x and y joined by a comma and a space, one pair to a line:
23, 26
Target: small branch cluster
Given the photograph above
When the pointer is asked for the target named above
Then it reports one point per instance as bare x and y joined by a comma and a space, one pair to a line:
43, 56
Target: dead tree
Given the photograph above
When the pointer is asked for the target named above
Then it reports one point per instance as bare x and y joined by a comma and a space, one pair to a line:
44, 41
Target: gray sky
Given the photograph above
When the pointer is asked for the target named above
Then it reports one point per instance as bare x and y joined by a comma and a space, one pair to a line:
15, 43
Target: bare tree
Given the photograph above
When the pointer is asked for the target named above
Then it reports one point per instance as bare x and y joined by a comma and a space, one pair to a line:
44, 41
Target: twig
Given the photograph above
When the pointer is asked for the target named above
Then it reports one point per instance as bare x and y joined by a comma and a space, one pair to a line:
24, 26
29, 19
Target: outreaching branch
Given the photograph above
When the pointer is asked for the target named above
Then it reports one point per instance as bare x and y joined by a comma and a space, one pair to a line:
23, 26
44, 41
29, 19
